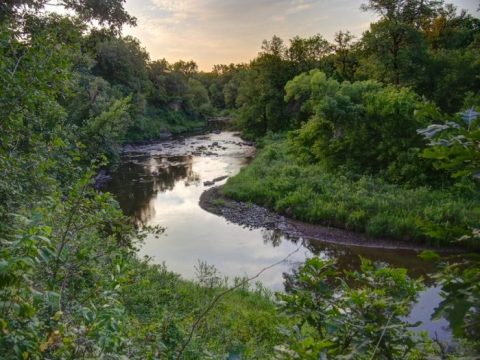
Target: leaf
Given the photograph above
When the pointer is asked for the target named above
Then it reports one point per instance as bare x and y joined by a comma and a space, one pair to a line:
53, 299
469, 116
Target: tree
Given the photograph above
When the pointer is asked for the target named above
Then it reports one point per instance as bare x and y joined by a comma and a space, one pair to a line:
158, 73
449, 72
199, 97
123, 62
260, 93
395, 44
365, 127
411, 12
274, 47
109, 13
449, 77
361, 315
187, 68
393, 53
345, 61
450, 29
308, 53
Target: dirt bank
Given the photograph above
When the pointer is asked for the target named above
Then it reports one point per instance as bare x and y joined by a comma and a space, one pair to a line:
254, 216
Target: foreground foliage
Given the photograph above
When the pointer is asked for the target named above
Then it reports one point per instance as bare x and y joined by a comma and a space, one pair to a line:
71, 285
360, 314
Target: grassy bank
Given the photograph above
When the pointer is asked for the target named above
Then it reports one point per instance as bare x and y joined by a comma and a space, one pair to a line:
277, 180
162, 307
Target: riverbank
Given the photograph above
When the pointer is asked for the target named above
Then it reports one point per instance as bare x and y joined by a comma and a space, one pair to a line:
254, 216
161, 307
365, 205
172, 125
163, 124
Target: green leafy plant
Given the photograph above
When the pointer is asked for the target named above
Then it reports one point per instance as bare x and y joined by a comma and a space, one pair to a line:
455, 145
359, 315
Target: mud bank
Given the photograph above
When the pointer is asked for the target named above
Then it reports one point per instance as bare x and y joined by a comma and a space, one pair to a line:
254, 216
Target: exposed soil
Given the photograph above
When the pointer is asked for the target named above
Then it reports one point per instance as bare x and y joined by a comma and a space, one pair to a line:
254, 216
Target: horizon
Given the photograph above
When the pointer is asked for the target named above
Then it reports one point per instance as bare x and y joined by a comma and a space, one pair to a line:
212, 32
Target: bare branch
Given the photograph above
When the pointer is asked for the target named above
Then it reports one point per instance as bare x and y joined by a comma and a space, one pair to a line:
222, 294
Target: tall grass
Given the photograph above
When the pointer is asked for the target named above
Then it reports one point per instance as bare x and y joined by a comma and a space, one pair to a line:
366, 204
161, 307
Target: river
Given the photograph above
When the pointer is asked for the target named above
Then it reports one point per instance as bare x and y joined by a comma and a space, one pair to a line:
161, 183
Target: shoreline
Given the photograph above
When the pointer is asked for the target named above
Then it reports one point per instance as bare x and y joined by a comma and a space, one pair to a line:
254, 216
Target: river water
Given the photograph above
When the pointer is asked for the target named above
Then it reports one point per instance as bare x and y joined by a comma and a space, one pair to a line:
161, 183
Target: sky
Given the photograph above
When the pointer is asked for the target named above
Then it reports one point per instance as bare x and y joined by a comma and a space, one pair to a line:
231, 31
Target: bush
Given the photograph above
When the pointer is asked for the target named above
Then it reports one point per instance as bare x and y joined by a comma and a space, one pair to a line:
363, 126
358, 315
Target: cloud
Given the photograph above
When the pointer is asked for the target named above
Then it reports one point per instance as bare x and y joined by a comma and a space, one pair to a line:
279, 18
224, 31
299, 6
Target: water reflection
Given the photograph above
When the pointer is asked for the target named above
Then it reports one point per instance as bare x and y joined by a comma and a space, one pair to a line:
349, 257
160, 184
273, 237
139, 179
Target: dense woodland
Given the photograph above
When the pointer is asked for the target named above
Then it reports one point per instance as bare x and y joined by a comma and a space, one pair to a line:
378, 134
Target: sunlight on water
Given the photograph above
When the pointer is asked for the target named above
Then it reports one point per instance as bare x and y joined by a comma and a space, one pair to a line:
160, 184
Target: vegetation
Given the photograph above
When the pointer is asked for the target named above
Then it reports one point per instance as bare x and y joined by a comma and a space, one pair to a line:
161, 309
309, 192
428, 46
361, 153
347, 127
364, 122
339, 320
380, 136
71, 285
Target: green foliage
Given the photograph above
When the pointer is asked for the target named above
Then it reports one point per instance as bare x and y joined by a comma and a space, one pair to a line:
279, 180
447, 70
461, 298
363, 127
308, 53
122, 62
162, 308
360, 315
455, 145
199, 97
428, 46
260, 94
52, 265
71, 285
106, 12
35, 72
459, 278
106, 131
260, 88
452, 57
158, 122
345, 60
